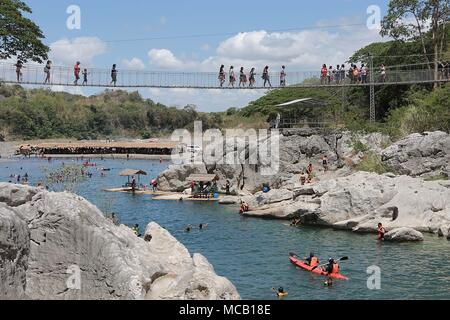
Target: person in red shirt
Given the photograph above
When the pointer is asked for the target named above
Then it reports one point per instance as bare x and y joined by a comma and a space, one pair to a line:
76, 72
381, 232
323, 74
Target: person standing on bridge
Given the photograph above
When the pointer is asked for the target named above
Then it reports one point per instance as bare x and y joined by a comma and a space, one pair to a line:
342, 73
222, 75
252, 78
19, 66
266, 76
242, 78
85, 77
114, 75
47, 69
363, 74
330, 75
283, 77
383, 73
323, 74
337, 74
232, 77
76, 72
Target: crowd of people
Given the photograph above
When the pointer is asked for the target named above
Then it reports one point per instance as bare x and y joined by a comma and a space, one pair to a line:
250, 78
328, 74
77, 73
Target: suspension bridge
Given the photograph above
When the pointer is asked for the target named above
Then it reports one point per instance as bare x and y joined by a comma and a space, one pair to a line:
33, 74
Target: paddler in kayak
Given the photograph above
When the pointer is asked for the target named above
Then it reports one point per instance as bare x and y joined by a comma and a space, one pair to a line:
332, 267
312, 260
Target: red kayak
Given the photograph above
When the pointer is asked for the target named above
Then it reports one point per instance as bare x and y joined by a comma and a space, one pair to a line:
301, 264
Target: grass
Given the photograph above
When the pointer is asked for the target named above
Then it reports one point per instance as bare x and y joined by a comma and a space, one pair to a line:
372, 163
358, 146
439, 177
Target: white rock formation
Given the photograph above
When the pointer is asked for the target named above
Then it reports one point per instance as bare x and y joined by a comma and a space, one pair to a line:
68, 236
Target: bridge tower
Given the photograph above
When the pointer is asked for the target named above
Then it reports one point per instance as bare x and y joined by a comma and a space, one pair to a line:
372, 90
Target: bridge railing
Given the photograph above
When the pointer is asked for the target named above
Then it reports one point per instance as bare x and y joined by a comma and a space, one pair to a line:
64, 76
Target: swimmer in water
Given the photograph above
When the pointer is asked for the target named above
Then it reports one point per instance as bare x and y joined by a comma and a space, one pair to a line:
329, 282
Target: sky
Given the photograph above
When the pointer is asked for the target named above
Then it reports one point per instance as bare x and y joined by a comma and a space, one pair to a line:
200, 35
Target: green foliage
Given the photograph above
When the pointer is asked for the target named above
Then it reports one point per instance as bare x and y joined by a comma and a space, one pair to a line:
426, 111
439, 177
265, 106
358, 146
408, 20
19, 36
44, 114
372, 163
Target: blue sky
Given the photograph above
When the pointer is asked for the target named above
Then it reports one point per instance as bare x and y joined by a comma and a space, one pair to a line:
103, 22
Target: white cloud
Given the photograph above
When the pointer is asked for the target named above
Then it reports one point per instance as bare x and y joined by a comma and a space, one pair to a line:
83, 49
165, 59
133, 64
303, 50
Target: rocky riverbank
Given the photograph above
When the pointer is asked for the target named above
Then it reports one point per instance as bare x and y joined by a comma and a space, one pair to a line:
48, 239
343, 197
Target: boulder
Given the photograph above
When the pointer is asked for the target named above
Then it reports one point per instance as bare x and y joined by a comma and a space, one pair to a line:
174, 179
16, 195
76, 253
283, 211
271, 197
14, 252
417, 155
228, 200
403, 235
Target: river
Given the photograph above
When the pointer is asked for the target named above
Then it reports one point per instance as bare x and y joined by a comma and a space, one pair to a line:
253, 253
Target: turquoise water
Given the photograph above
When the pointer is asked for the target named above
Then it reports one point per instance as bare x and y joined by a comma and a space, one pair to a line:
253, 253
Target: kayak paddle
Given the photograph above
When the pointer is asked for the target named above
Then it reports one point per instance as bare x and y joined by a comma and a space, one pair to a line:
323, 265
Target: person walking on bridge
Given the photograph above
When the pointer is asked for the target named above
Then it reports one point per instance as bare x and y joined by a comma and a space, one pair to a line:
242, 78
47, 69
323, 74
383, 73
222, 75
266, 76
252, 78
232, 77
76, 72
283, 77
19, 66
113, 75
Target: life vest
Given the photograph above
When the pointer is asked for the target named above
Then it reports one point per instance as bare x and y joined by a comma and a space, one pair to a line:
335, 268
314, 262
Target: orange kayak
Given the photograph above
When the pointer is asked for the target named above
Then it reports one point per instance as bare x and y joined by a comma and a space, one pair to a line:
301, 264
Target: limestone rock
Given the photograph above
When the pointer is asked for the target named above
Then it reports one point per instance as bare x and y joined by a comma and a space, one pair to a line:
229, 200
71, 240
174, 178
14, 251
403, 235
425, 154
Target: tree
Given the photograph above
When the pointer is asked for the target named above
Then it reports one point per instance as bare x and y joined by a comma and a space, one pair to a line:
19, 36
419, 19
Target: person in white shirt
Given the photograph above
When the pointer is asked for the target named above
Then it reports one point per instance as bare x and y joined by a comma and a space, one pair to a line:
283, 77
